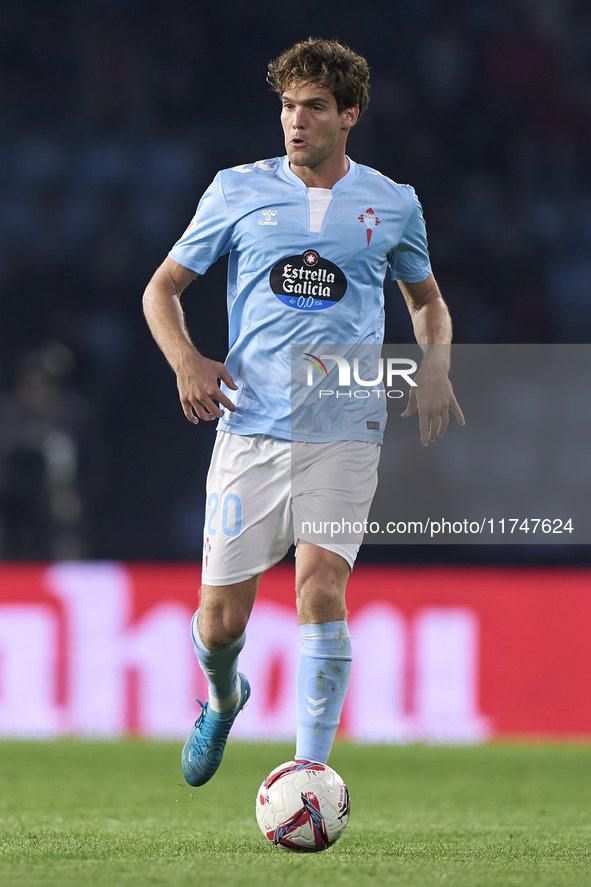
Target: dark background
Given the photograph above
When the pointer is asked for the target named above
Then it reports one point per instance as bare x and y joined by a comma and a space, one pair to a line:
115, 116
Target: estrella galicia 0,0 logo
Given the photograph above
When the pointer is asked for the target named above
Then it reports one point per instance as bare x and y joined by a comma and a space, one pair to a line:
308, 281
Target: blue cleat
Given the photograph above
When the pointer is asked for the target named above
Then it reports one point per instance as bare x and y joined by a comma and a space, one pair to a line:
204, 749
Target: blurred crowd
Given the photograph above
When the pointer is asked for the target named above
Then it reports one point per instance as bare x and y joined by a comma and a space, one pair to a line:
114, 117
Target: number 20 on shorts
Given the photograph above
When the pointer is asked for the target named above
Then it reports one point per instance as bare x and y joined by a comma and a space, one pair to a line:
231, 514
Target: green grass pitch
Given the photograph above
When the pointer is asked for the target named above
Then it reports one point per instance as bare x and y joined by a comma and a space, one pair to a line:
107, 814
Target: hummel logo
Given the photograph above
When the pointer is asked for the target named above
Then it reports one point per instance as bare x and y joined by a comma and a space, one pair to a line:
318, 711
269, 214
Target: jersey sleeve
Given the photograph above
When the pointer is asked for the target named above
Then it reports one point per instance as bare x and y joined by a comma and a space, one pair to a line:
409, 260
209, 234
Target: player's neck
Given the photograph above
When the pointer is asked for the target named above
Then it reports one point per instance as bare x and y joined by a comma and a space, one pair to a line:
325, 175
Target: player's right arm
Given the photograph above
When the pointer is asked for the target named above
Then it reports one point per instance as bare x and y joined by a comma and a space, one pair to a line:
197, 377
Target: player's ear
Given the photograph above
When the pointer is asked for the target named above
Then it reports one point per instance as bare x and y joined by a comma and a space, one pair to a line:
350, 117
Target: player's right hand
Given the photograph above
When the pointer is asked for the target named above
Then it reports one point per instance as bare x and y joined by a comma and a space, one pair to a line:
199, 390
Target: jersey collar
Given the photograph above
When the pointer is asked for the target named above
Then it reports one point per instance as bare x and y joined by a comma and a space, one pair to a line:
344, 182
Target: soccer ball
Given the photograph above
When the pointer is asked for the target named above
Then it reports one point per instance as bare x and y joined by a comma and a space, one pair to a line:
303, 806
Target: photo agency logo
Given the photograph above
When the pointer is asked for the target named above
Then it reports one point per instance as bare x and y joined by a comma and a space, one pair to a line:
388, 372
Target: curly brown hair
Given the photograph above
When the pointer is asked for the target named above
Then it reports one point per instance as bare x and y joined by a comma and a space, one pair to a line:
327, 63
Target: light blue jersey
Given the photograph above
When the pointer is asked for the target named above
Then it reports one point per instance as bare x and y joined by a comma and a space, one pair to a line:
287, 284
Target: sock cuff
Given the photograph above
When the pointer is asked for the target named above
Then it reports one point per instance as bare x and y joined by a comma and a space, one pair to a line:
329, 640
328, 630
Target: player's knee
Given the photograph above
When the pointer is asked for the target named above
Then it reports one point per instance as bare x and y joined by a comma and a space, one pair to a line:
220, 637
222, 629
318, 588
321, 578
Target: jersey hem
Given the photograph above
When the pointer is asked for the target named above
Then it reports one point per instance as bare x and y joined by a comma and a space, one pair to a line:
360, 436
322, 438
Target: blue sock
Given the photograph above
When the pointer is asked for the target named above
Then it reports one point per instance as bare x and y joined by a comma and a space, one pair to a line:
220, 667
321, 685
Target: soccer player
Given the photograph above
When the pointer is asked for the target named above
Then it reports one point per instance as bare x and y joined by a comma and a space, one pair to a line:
313, 215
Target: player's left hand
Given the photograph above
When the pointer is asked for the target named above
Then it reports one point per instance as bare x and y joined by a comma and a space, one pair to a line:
433, 398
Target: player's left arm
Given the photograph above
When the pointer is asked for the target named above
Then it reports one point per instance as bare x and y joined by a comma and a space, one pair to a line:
433, 397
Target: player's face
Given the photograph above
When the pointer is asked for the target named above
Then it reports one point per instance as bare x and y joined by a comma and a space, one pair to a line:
314, 130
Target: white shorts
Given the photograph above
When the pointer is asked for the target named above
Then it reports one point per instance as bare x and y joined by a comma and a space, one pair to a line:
265, 494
